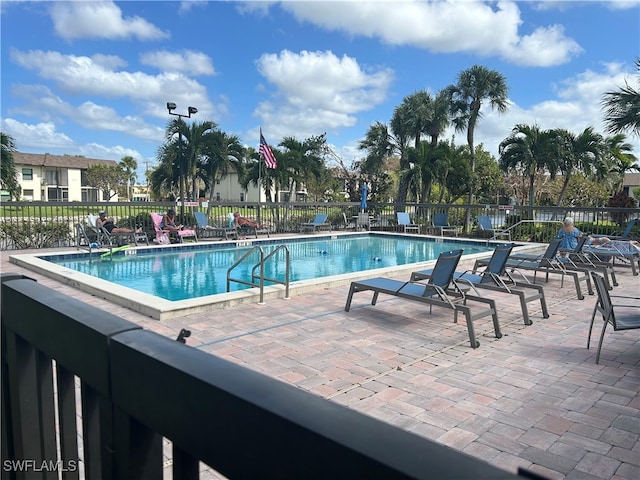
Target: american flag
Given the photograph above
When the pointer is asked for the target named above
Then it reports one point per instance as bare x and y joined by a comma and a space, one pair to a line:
265, 152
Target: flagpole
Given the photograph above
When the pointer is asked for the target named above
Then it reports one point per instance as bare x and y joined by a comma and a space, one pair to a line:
259, 180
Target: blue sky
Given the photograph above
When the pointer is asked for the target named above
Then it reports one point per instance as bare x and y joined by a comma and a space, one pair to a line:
93, 78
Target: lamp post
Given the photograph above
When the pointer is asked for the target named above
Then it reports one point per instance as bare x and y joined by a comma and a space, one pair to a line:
191, 111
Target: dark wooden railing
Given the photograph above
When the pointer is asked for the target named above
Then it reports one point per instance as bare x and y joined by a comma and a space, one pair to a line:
135, 391
51, 224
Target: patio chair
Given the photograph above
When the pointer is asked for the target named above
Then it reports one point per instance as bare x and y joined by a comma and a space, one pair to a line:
625, 234
437, 291
318, 223
405, 221
363, 221
164, 237
620, 252
491, 279
623, 315
347, 224
484, 225
576, 259
441, 225
103, 237
545, 263
206, 230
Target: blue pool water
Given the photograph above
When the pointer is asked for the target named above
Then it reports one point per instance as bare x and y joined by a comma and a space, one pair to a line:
201, 269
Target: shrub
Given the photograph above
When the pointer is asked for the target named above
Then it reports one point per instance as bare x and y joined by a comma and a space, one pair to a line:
25, 234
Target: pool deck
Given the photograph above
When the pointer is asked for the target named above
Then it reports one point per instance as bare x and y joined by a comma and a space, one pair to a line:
534, 398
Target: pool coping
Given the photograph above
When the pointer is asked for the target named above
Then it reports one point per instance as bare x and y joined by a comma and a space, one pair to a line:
161, 309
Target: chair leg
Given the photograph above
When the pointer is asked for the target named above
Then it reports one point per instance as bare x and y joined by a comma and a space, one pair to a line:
593, 318
604, 327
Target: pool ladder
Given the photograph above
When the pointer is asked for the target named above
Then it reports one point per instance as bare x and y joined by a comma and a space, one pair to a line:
257, 272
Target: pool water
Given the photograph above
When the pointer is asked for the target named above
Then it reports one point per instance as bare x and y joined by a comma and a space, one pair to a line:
201, 271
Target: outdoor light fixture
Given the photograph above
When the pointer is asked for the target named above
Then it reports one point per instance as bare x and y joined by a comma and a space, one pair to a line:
191, 111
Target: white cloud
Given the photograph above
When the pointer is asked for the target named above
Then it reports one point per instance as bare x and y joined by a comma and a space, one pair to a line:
194, 63
81, 75
100, 19
39, 136
316, 91
483, 28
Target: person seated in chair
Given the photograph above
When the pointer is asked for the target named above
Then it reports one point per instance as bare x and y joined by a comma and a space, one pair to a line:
243, 222
168, 223
107, 223
569, 235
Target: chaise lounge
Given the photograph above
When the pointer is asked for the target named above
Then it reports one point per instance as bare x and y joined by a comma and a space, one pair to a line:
436, 292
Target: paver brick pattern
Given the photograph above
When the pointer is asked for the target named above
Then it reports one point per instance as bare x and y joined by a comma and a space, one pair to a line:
534, 398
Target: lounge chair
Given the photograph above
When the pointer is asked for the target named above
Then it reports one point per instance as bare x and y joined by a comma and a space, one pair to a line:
163, 237
206, 230
405, 221
623, 315
103, 237
318, 223
626, 234
491, 279
347, 224
437, 291
484, 225
441, 225
619, 252
576, 259
545, 263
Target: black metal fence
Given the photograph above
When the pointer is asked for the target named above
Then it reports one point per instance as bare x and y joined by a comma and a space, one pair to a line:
45, 224
135, 392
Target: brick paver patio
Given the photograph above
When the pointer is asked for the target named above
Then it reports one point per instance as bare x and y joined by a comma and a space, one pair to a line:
534, 398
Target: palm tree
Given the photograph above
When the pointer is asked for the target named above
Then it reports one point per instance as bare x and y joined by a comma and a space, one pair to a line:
190, 141
576, 153
129, 165
221, 154
618, 159
301, 160
8, 173
383, 142
476, 85
527, 151
622, 108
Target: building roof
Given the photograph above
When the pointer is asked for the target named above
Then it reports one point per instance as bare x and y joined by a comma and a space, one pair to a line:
64, 161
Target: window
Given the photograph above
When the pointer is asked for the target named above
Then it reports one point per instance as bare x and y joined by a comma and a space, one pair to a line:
27, 195
27, 173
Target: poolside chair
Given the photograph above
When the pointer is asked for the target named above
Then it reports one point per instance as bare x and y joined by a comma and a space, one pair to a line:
491, 279
437, 291
545, 263
206, 230
619, 252
347, 224
626, 234
405, 221
363, 221
624, 315
318, 223
441, 225
103, 237
484, 225
576, 259
164, 237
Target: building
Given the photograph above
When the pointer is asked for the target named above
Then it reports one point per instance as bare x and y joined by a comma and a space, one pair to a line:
631, 181
56, 178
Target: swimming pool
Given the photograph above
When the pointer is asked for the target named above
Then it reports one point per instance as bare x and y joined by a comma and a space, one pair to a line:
171, 281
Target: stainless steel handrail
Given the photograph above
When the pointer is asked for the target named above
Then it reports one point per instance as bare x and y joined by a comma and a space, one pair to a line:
257, 280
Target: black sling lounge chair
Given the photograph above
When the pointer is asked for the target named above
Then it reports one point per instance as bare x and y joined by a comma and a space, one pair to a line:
491, 279
437, 291
547, 264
